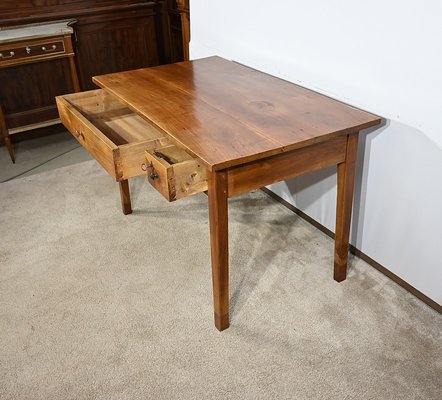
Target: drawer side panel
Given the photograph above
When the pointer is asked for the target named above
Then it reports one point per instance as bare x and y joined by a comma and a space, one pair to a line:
89, 137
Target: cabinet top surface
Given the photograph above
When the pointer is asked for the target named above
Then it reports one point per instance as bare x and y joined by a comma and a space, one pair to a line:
35, 31
227, 114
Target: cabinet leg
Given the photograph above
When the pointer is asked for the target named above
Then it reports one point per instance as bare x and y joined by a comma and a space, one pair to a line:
5, 134
125, 197
346, 178
219, 246
74, 75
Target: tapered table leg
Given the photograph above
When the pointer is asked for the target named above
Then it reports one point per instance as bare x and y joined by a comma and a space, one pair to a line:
219, 246
346, 179
125, 197
5, 133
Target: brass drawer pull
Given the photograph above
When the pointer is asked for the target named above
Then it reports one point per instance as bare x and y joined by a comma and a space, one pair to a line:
28, 50
11, 54
48, 50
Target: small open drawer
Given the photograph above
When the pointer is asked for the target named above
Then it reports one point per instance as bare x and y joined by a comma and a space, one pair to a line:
112, 133
175, 173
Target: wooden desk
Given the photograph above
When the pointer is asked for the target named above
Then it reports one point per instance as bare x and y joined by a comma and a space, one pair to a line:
247, 130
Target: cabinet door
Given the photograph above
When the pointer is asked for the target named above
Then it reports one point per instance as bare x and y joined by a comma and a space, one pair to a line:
113, 42
27, 92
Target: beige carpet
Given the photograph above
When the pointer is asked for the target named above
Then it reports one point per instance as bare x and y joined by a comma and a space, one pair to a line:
98, 305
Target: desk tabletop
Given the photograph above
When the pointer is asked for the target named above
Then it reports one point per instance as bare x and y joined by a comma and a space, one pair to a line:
227, 114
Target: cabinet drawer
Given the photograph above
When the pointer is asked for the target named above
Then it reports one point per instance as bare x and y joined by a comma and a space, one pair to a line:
175, 173
54, 47
14, 54
112, 133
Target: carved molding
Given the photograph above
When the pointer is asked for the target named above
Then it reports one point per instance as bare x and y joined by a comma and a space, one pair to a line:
184, 10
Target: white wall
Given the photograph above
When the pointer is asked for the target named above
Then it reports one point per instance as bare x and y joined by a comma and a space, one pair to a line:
384, 57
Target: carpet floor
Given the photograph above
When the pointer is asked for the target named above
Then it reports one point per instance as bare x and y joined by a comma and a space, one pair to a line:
98, 305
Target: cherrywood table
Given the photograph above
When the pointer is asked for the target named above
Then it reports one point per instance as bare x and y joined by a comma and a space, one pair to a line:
248, 129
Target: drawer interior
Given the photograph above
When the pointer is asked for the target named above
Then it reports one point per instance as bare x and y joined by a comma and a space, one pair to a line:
170, 155
113, 118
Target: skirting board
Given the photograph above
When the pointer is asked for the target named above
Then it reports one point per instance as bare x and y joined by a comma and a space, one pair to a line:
358, 253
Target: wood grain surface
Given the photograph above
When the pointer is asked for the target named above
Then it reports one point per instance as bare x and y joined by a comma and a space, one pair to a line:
244, 178
227, 114
219, 246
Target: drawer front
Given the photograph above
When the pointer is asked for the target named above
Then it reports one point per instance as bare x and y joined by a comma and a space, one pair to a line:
97, 144
133, 159
50, 48
17, 54
174, 173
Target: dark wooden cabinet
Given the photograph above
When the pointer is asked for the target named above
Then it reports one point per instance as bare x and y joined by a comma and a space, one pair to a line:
109, 36
183, 8
115, 41
27, 96
36, 64
176, 35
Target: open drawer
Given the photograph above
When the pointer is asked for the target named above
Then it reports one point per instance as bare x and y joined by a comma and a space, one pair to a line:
121, 141
175, 173
112, 133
